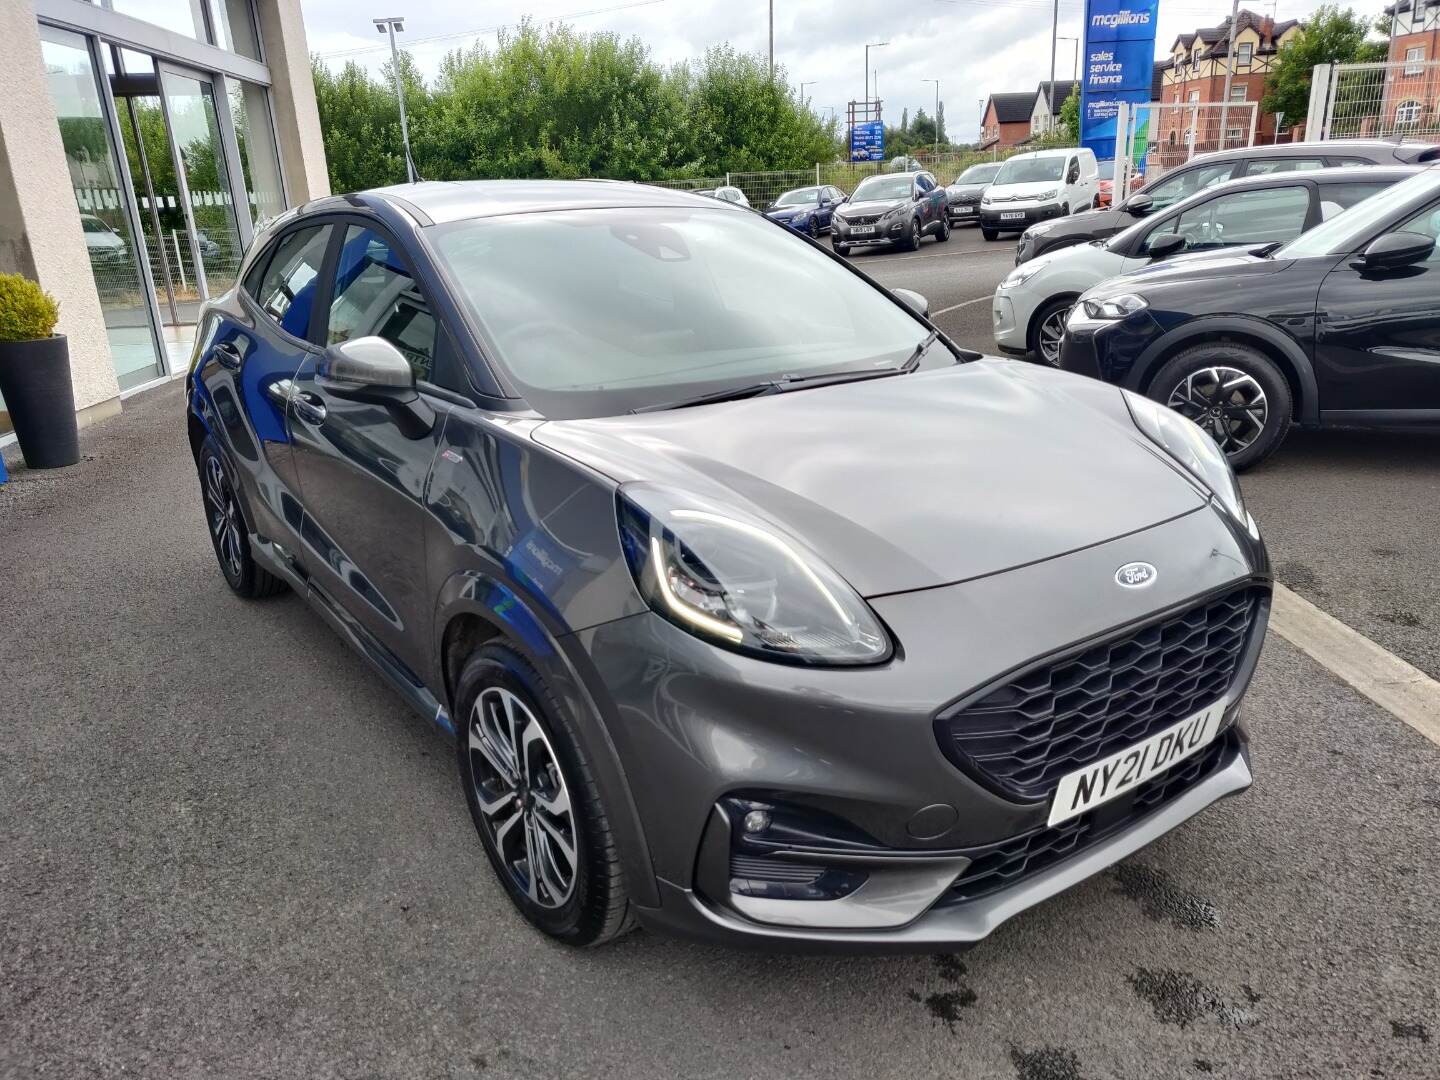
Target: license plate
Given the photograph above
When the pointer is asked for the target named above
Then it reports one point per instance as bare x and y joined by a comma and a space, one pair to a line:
963, 210
1012, 215
1099, 782
862, 230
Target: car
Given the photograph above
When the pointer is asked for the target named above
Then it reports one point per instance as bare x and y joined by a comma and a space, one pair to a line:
962, 198
1037, 186
808, 210
1206, 169
103, 244
1030, 305
1339, 326
726, 194
892, 208
754, 608
1107, 184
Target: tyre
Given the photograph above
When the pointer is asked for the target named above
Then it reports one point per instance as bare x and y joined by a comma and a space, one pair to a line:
911, 241
944, 233
534, 801
842, 249
1047, 330
988, 234
1234, 392
229, 535
813, 229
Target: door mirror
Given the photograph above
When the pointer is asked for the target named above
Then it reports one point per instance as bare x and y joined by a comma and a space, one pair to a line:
914, 301
1139, 204
1162, 247
919, 194
1397, 249
373, 371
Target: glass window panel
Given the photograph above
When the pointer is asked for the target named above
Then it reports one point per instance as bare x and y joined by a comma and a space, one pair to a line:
101, 201
258, 155
235, 27
178, 16
196, 131
375, 294
287, 291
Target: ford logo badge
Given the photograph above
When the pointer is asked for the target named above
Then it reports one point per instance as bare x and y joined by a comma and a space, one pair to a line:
1136, 575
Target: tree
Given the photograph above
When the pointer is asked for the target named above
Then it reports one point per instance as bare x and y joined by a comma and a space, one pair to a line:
1069, 119
940, 121
905, 118
1330, 36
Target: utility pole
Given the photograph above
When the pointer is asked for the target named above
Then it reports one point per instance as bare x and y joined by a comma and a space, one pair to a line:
1229, 73
391, 26
937, 113
1054, 30
772, 40
802, 92
1074, 57
872, 45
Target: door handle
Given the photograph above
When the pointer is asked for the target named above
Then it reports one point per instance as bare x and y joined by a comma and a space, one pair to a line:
228, 356
308, 407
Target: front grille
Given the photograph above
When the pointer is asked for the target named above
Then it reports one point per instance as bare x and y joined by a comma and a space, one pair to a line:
862, 219
1002, 865
1019, 738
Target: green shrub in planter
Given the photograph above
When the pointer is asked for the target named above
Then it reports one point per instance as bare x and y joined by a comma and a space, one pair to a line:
35, 375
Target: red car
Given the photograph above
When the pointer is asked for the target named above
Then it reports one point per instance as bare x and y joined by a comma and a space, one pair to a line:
1107, 182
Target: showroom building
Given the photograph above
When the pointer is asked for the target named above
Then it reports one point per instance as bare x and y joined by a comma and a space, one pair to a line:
142, 143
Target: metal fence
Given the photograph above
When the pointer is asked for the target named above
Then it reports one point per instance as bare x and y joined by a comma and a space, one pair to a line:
1175, 132
1380, 100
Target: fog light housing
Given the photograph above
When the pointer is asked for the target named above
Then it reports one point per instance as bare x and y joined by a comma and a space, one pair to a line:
757, 821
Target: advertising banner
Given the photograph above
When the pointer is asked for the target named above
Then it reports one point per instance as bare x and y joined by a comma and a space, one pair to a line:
867, 141
1119, 66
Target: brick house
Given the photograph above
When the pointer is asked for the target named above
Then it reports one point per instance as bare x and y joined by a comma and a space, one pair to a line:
1195, 75
1042, 119
1412, 93
1006, 121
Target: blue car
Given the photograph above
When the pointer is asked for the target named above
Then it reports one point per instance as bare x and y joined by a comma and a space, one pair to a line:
807, 209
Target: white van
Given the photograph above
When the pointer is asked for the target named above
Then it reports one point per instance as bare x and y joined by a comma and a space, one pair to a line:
1039, 185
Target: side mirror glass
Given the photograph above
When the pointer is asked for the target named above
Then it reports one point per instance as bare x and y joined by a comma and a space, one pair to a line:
1164, 246
1139, 204
914, 301
1397, 249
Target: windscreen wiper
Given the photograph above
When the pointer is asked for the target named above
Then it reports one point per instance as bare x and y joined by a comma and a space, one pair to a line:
730, 393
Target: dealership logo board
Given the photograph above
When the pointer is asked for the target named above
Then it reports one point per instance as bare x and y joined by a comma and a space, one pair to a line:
867, 141
1119, 66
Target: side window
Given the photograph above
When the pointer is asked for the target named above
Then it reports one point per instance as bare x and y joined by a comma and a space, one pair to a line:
1426, 223
1072, 171
924, 183
253, 276
286, 291
375, 294
1172, 189
1259, 216
1336, 198
1289, 164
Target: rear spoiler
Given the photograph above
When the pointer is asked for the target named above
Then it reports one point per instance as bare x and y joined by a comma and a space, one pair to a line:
1417, 153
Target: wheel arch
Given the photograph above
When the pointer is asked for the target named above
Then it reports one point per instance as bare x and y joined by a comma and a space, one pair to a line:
1259, 334
1033, 325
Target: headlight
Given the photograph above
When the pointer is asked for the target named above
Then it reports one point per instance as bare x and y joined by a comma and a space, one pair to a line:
898, 211
1022, 274
985, 200
800, 218
1184, 441
1048, 193
736, 582
1115, 307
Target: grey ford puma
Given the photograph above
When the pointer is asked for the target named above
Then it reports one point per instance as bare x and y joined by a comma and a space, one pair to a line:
756, 609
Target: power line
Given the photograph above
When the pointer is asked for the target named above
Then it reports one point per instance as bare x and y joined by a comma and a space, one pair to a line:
491, 29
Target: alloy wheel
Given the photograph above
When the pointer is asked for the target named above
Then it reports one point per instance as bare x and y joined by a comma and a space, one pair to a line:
224, 517
522, 796
1227, 402
1050, 334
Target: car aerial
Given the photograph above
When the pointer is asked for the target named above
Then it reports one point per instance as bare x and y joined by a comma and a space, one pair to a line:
1206, 169
1036, 186
756, 609
1339, 326
962, 198
807, 209
1030, 305
892, 208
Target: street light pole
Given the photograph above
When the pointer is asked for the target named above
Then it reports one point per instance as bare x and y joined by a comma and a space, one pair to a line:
772, 40
1229, 73
390, 26
1054, 30
1074, 57
937, 113
802, 91
872, 45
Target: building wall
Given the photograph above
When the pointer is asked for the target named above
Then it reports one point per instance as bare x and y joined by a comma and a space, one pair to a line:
1423, 86
1002, 136
1206, 81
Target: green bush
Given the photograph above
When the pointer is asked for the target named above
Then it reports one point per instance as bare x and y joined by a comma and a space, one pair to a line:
27, 312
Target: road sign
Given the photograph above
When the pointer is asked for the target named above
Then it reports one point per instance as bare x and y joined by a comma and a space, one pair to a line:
867, 141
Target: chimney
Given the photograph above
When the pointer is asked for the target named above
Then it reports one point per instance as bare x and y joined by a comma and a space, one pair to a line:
1267, 30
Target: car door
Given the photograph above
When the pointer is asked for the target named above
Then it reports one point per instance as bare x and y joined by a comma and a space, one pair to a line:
362, 467
1377, 336
1252, 216
249, 362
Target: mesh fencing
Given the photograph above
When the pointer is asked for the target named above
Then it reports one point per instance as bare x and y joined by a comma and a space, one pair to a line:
1385, 99
1175, 133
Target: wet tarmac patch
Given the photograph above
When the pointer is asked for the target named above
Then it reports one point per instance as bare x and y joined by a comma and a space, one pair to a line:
1046, 1063
1201, 1065
1299, 577
950, 967
1396, 617
1401, 1029
1161, 899
946, 1006
1177, 997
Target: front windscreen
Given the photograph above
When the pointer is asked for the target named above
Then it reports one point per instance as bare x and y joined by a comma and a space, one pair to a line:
1030, 170
804, 197
979, 174
883, 187
596, 312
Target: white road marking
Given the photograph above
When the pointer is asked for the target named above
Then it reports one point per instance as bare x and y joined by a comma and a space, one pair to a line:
1396, 686
963, 303
941, 255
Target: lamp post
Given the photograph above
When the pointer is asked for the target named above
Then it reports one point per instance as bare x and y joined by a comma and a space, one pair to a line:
802, 91
1074, 56
393, 26
937, 113
772, 40
872, 45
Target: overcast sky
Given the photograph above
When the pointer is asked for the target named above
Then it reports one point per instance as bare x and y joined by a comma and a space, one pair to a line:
974, 47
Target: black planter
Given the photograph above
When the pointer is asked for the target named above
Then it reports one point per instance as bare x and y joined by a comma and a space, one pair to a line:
35, 382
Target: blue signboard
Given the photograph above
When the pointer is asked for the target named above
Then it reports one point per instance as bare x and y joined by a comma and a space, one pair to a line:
867, 141
1119, 66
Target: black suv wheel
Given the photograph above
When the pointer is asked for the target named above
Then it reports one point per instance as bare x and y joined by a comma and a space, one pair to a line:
1232, 390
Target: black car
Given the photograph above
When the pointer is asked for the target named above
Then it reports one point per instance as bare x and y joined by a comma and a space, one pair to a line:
962, 198
892, 208
1339, 326
1207, 169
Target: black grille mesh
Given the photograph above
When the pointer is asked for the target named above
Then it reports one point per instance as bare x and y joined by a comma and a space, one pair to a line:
1020, 738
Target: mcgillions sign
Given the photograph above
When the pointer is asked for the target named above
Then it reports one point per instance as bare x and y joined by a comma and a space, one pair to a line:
1125, 17
1119, 66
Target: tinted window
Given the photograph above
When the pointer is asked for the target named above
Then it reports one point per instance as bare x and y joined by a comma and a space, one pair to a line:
1242, 217
287, 289
375, 294
924, 183
1425, 223
1335, 198
1289, 164
1171, 189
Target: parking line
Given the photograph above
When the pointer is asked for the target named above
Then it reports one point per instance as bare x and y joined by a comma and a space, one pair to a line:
963, 303
1396, 686
942, 255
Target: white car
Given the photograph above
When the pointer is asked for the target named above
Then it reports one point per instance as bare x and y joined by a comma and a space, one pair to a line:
1029, 307
1038, 186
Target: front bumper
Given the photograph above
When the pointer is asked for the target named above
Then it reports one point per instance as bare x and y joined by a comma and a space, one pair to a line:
857, 751
1009, 333
1107, 348
963, 212
886, 232
995, 216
